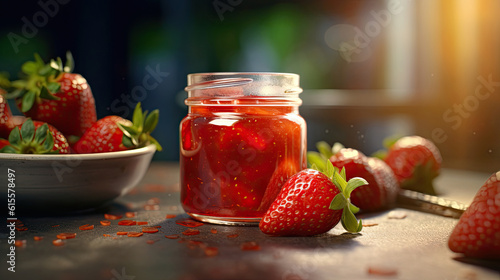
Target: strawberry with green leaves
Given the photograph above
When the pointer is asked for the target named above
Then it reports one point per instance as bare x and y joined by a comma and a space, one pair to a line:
313, 202
416, 161
477, 233
35, 137
114, 133
52, 94
382, 188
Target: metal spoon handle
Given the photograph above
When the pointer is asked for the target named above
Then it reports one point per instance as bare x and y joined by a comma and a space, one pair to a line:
430, 204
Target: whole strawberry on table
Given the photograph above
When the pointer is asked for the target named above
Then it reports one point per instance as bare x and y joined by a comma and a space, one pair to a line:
382, 188
312, 202
477, 233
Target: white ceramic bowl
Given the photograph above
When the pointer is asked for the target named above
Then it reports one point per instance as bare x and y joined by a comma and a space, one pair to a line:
61, 183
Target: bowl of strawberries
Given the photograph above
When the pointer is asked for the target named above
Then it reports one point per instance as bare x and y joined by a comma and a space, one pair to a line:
58, 156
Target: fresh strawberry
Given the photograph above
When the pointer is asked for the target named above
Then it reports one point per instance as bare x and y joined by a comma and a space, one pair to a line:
382, 186
35, 137
50, 93
113, 133
312, 202
416, 161
6, 124
477, 233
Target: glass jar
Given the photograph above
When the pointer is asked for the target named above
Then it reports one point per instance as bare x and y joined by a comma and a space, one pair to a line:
242, 139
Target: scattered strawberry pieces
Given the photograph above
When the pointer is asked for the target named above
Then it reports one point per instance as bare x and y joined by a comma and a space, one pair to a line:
211, 251
233, 235
106, 235
149, 230
58, 242
170, 216
134, 234
382, 271
127, 223
189, 223
191, 232
250, 246
173, 236
151, 242
130, 214
142, 223
416, 161
477, 233
86, 227
112, 217
105, 223
37, 238
213, 230
312, 202
20, 243
21, 228
122, 233
66, 235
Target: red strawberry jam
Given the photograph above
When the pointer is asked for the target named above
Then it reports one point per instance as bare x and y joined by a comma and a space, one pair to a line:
238, 148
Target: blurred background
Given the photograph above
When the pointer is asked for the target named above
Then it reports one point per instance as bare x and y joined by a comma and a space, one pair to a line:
369, 69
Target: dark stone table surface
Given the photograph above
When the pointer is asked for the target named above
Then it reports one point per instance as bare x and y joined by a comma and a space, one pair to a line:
414, 247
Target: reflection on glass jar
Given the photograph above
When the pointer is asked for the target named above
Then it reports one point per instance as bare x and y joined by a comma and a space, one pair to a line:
242, 139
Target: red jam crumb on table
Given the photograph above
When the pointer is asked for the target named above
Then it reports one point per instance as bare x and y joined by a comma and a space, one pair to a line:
239, 144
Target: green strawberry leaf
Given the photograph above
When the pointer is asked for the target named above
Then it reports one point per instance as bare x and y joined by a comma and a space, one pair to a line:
354, 183
137, 117
28, 101
15, 137
316, 159
45, 93
27, 131
330, 169
18, 92
338, 202
349, 221
325, 149
48, 144
29, 67
340, 181
53, 87
127, 141
41, 133
8, 150
354, 208
153, 141
151, 121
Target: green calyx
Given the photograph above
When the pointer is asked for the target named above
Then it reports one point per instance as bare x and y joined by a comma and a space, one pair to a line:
325, 153
321, 161
29, 140
39, 81
139, 133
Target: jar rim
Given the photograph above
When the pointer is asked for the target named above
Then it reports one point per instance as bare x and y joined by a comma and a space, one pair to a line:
247, 83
